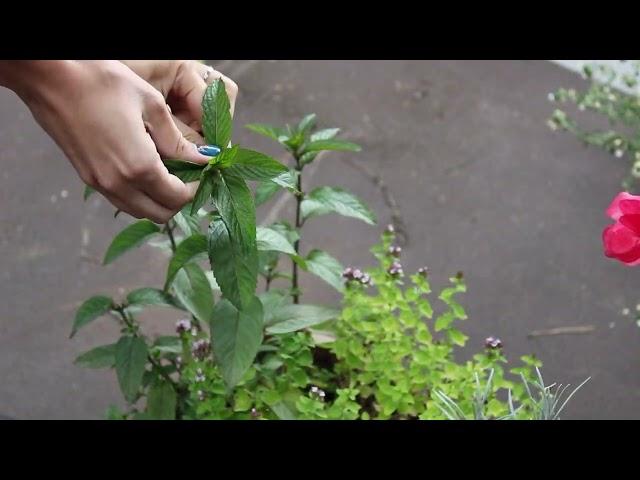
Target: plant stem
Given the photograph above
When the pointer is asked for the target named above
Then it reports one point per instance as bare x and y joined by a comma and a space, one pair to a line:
296, 245
169, 230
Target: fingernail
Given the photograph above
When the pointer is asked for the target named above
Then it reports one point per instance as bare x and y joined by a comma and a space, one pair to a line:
209, 150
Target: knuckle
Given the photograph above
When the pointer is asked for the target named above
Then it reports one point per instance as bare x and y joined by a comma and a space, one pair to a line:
110, 183
156, 104
137, 171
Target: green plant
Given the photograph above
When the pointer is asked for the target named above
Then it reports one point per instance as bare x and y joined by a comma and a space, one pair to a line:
246, 355
604, 97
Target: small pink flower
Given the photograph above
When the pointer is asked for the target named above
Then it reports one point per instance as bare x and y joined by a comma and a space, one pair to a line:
622, 239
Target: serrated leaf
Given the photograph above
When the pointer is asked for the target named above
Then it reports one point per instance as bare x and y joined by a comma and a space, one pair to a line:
236, 337
216, 115
150, 296
291, 318
194, 291
252, 165
269, 239
443, 321
185, 171
131, 360
457, 337
232, 245
326, 200
203, 193
326, 267
161, 401
266, 130
331, 144
288, 180
103, 356
91, 309
131, 237
185, 252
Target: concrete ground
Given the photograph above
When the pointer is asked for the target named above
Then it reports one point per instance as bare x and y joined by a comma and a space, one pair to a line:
473, 177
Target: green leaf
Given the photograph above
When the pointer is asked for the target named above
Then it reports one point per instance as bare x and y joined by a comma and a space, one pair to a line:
269, 239
287, 180
326, 267
457, 337
131, 360
185, 252
286, 229
233, 251
91, 309
282, 411
443, 321
194, 291
226, 158
267, 130
203, 192
252, 165
216, 115
331, 144
167, 344
88, 191
291, 318
99, 357
212, 281
326, 134
161, 401
307, 123
150, 297
265, 191
185, 171
236, 336
271, 302
131, 237
189, 224
325, 200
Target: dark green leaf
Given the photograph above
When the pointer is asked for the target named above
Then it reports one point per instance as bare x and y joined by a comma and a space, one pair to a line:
91, 309
216, 115
290, 318
203, 192
236, 337
185, 252
150, 296
167, 344
232, 242
185, 171
271, 302
99, 357
131, 360
131, 237
194, 291
326, 267
271, 240
325, 200
252, 165
331, 144
265, 191
267, 130
161, 401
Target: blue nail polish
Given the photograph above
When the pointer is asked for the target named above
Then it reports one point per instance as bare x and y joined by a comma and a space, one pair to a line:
209, 150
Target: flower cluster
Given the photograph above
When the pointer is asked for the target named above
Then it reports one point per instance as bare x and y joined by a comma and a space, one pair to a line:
357, 275
493, 343
395, 270
200, 349
395, 251
317, 393
183, 326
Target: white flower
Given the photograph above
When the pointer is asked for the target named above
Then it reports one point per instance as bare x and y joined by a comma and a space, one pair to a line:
618, 153
625, 311
551, 97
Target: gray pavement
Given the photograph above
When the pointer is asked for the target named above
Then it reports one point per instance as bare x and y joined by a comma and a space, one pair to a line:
471, 173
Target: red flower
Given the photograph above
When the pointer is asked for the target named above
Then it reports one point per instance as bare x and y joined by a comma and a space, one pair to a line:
622, 239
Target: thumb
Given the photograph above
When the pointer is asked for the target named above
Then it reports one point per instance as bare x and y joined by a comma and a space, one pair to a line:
169, 140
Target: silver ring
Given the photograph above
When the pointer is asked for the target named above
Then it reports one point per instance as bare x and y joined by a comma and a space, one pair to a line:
207, 72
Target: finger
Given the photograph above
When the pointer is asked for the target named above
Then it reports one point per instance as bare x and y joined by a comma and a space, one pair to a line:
168, 139
189, 133
139, 205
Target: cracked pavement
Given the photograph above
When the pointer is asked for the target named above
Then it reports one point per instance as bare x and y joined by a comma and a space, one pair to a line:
455, 153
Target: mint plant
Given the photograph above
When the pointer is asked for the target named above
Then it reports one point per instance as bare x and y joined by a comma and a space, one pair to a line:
605, 98
240, 353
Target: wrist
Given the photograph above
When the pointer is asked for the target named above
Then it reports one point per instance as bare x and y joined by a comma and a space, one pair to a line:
30, 79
